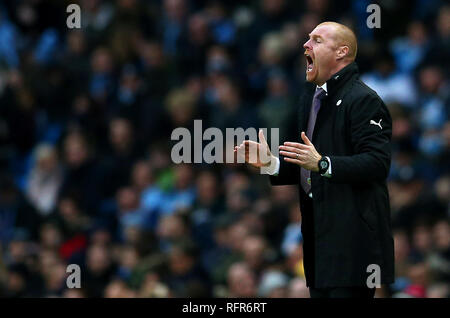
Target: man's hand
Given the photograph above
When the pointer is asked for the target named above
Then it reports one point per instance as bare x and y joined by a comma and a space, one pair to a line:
256, 154
304, 155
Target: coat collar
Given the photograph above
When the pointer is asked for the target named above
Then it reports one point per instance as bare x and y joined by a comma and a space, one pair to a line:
341, 77
333, 85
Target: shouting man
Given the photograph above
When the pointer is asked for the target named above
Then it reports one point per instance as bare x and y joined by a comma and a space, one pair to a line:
340, 161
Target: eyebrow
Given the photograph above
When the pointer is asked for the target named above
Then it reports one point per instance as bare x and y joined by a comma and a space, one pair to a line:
315, 36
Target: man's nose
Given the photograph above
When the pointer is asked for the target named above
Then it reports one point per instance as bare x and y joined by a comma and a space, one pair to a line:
307, 45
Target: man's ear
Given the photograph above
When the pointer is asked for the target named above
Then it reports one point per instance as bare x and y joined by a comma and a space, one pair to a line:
342, 52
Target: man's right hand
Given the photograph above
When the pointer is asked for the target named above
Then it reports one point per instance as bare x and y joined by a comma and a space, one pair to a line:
256, 154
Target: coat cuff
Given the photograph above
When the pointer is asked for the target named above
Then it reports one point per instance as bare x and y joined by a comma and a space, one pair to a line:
273, 170
327, 173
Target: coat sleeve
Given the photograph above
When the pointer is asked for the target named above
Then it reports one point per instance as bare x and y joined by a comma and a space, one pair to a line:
288, 174
371, 145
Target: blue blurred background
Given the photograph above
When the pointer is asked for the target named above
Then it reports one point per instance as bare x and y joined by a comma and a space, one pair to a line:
85, 121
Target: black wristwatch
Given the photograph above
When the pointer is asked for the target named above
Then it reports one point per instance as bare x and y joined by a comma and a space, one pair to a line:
324, 164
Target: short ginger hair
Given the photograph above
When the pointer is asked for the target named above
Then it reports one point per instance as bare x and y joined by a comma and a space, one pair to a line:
344, 36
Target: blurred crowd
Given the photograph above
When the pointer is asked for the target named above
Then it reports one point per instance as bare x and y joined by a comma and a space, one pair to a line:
86, 116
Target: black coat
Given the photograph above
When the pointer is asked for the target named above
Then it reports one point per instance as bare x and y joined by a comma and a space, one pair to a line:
348, 226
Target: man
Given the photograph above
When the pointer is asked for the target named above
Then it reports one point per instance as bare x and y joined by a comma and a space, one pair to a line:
340, 164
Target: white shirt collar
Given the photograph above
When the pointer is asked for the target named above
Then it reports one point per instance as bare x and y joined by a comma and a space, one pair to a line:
324, 87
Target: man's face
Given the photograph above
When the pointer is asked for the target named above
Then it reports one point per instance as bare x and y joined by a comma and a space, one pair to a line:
320, 53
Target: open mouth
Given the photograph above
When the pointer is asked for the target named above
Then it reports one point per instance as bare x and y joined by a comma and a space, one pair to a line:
309, 63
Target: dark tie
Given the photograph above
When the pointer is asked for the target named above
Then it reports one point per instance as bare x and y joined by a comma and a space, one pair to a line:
305, 175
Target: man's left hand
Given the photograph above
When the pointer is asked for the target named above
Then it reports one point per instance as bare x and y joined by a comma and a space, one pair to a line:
304, 155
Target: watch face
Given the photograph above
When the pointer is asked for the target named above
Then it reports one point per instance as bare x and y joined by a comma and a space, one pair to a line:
323, 164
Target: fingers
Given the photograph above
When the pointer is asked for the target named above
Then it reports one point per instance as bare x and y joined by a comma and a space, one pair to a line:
291, 154
300, 158
305, 139
262, 139
248, 149
292, 149
246, 144
296, 145
306, 145
250, 143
